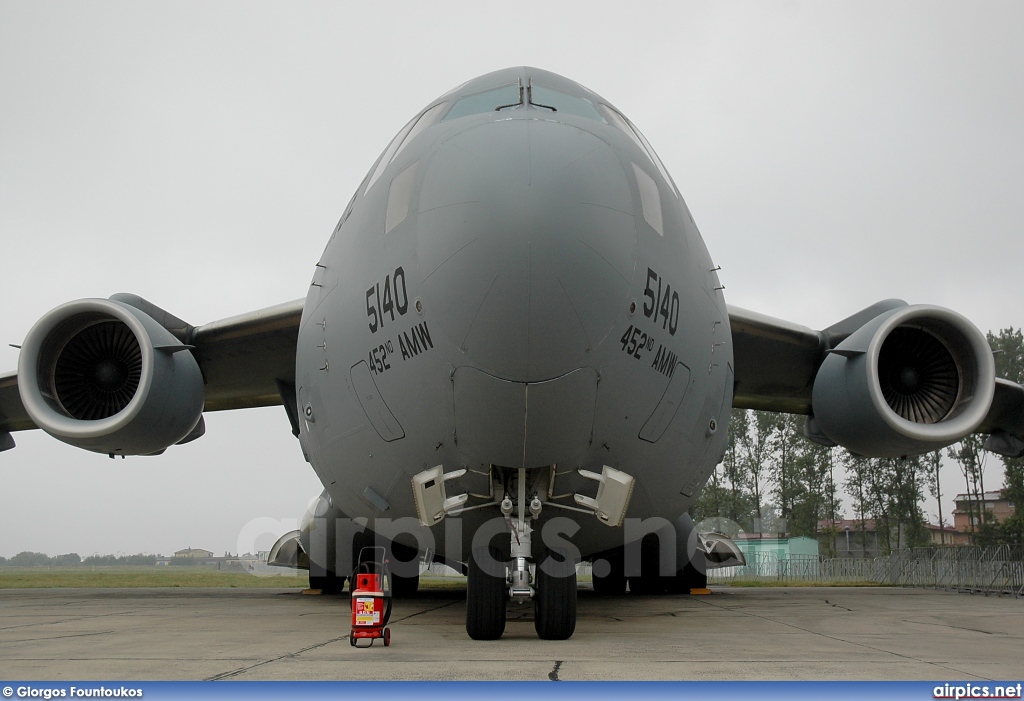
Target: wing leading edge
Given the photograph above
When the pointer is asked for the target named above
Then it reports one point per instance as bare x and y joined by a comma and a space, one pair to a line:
249, 361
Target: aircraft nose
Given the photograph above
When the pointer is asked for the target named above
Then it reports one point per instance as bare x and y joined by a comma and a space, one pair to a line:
526, 244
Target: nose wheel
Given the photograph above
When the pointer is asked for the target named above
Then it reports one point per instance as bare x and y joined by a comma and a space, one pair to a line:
485, 595
554, 602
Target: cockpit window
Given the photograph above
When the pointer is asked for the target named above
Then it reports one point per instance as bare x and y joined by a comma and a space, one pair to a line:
405, 136
542, 96
428, 119
506, 96
619, 120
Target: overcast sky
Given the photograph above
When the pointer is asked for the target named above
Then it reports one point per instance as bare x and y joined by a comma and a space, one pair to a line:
199, 154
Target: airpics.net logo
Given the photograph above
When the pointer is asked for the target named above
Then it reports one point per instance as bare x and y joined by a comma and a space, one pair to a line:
331, 540
977, 691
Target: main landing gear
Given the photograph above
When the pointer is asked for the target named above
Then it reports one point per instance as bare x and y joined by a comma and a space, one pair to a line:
648, 570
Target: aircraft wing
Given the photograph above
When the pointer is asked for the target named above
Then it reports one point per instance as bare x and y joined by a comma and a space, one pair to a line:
246, 360
13, 416
776, 363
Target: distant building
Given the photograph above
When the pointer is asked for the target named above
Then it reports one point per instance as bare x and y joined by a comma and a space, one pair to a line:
946, 535
969, 509
755, 544
205, 558
852, 537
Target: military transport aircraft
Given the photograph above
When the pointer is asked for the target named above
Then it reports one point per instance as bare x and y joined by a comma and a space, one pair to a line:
514, 355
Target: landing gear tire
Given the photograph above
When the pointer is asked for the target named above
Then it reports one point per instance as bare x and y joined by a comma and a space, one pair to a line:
330, 583
554, 601
404, 566
686, 579
650, 580
485, 599
614, 582
404, 587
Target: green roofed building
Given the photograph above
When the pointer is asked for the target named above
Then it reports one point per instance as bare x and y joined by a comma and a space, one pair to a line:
753, 544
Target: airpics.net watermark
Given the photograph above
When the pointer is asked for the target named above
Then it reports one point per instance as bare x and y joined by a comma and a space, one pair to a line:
978, 691
335, 543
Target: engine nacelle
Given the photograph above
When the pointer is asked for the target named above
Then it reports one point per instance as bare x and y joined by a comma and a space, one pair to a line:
909, 381
104, 376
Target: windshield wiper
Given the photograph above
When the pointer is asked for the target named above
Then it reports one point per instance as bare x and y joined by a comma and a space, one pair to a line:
529, 90
519, 81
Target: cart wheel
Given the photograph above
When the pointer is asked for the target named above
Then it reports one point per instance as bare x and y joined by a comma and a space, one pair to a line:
352, 641
387, 637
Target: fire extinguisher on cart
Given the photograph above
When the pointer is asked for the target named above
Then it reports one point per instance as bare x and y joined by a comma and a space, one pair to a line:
371, 598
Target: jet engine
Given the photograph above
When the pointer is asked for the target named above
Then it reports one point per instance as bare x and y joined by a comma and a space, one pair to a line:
103, 376
907, 382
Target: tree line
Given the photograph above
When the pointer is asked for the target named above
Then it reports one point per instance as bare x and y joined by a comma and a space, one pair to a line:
773, 479
32, 559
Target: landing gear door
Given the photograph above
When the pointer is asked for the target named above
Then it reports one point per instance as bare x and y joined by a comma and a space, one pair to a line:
432, 503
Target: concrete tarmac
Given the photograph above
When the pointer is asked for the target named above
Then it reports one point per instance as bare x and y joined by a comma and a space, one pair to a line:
734, 633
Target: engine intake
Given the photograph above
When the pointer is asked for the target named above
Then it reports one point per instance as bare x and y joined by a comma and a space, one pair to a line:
104, 376
909, 381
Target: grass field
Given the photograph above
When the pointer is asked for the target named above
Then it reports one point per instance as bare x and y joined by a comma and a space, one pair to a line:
783, 583
136, 577
141, 577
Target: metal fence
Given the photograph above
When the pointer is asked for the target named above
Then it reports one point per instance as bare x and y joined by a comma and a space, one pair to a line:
997, 569
988, 570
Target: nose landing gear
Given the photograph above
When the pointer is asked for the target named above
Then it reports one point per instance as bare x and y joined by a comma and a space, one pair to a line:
551, 583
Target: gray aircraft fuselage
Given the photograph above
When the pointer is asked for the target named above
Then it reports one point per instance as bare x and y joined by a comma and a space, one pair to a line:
516, 283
